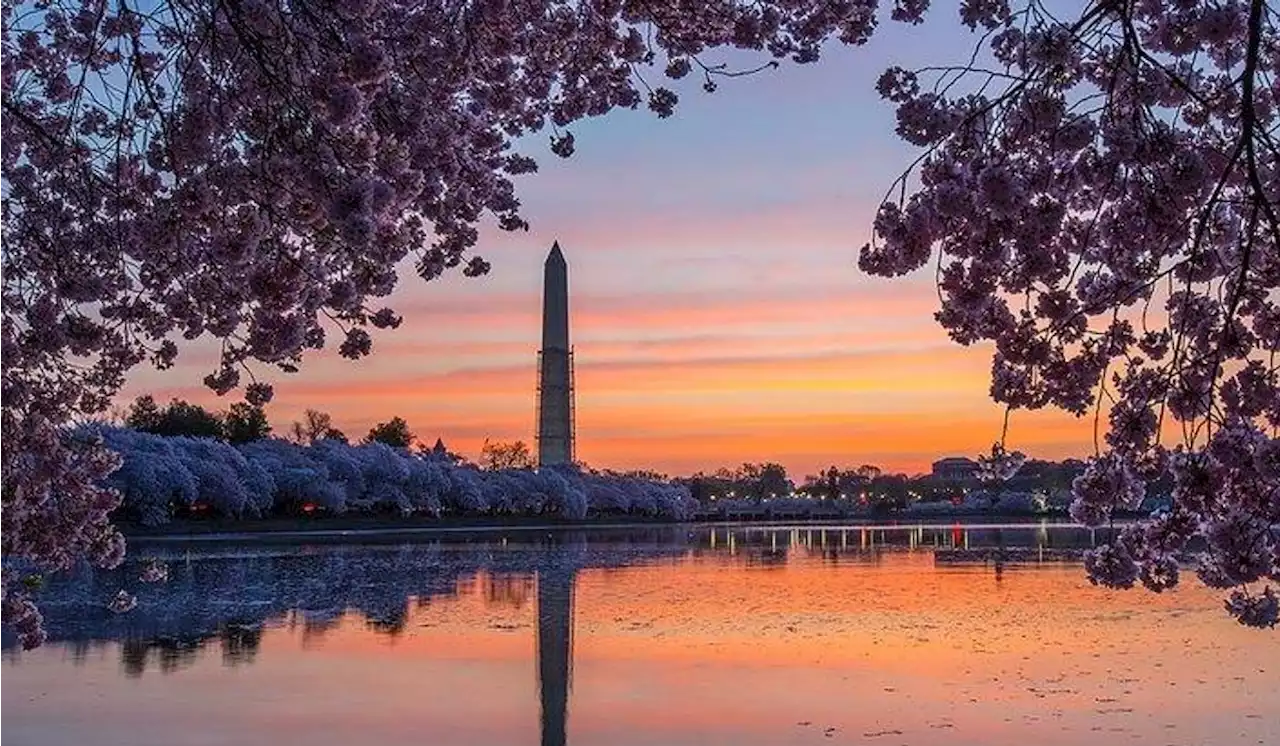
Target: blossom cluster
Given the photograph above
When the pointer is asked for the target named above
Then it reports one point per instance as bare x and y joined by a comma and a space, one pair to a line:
1102, 197
254, 172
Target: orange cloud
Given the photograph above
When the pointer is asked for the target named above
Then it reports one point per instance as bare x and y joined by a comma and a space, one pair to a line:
708, 310
898, 408
804, 368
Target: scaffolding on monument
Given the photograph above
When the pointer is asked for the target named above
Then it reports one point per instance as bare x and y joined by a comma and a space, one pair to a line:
539, 435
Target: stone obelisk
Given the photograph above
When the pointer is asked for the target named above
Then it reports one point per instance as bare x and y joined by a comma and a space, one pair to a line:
555, 366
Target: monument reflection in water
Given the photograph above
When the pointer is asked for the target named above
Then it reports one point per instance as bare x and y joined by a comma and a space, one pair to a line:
748, 587
229, 594
555, 651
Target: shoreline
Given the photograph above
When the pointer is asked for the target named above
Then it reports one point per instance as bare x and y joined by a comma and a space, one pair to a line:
341, 528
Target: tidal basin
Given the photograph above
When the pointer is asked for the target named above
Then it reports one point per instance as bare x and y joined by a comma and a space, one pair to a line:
914, 634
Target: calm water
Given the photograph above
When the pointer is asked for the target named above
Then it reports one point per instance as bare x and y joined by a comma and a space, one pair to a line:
917, 635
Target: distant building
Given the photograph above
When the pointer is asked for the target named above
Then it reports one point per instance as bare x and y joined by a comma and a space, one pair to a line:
955, 467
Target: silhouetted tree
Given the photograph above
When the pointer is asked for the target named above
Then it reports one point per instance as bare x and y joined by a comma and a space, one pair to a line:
763, 481
394, 433
244, 423
888, 493
315, 426
835, 483
179, 418
144, 415
749, 481
646, 474
193, 420
506, 455
869, 472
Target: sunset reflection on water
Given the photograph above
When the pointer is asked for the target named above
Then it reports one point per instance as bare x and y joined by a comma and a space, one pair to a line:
674, 636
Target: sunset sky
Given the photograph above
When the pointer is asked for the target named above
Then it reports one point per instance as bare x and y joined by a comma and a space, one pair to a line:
717, 310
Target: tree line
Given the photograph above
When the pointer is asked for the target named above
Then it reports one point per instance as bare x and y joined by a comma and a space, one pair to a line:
866, 484
873, 487
243, 422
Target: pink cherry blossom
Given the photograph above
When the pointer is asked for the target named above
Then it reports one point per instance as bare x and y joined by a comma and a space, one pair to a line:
262, 167
1122, 175
254, 172
154, 571
121, 602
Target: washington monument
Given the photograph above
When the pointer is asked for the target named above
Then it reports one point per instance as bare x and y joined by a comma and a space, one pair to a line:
555, 366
